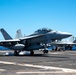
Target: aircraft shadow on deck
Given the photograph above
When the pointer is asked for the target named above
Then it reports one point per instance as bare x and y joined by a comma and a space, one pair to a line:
27, 55
37, 55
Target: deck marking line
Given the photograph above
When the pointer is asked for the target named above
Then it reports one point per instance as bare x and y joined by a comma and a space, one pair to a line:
38, 72
66, 70
2, 70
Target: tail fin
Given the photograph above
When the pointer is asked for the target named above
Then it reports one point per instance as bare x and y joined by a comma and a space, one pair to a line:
73, 39
5, 34
18, 34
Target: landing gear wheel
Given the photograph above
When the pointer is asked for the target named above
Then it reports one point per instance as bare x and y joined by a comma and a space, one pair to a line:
16, 53
45, 51
31, 52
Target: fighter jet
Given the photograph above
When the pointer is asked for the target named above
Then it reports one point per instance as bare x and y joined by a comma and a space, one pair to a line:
66, 45
32, 42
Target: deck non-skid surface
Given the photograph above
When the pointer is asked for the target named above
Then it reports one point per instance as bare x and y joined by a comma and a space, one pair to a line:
53, 63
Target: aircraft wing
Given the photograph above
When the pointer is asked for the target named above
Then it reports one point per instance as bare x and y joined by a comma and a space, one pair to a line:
31, 37
18, 40
9, 42
14, 40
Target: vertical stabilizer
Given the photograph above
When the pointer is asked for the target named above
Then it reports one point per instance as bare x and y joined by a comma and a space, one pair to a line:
5, 34
74, 41
18, 34
71, 39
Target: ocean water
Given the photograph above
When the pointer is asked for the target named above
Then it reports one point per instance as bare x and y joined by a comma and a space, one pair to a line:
3, 48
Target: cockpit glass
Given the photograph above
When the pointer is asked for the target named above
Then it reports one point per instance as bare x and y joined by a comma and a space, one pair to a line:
45, 30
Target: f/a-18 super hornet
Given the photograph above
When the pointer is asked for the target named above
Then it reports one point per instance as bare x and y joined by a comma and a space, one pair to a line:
32, 42
64, 45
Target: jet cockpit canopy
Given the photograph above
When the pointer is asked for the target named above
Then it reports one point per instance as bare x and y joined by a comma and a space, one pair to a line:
43, 30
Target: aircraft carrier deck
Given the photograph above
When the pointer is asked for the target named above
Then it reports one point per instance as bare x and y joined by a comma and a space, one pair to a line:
54, 63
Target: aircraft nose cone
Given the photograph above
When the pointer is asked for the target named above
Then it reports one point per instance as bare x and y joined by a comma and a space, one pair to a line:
65, 34
59, 35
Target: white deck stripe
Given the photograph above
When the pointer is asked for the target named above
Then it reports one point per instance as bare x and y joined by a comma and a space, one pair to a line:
38, 72
2, 70
4, 51
66, 70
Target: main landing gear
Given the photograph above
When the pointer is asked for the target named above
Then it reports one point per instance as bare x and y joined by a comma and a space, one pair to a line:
16, 53
45, 51
32, 52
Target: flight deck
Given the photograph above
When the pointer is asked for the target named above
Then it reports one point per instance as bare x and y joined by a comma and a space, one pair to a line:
53, 63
